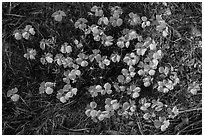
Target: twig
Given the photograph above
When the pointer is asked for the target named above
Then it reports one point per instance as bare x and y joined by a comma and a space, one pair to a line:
20, 16
189, 110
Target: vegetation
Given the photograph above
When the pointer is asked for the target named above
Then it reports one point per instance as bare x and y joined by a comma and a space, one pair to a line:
102, 68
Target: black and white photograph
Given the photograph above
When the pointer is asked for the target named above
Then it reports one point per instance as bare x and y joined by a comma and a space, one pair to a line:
101, 68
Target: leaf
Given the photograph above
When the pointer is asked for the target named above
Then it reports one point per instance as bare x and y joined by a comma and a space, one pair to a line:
68, 95
119, 22
163, 127
114, 101
87, 112
62, 99
152, 46
101, 117
175, 110
146, 116
116, 106
93, 113
62, 13
93, 104
15, 97
191, 62
161, 69
126, 106
141, 51
74, 91
107, 86
135, 95
17, 35
49, 90
48, 84
158, 109
151, 72
108, 101
121, 78
157, 123
109, 92
12, 92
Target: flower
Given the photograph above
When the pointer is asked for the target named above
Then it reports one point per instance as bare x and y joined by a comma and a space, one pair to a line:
31, 53
58, 15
